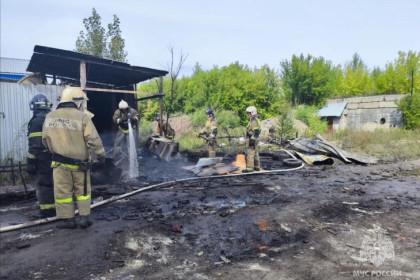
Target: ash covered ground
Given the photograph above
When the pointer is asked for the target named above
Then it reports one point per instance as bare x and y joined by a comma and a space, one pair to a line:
313, 223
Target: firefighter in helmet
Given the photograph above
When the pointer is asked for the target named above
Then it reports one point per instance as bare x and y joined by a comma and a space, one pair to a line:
210, 132
39, 158
253, 130
122, 116
69, 134
164, 127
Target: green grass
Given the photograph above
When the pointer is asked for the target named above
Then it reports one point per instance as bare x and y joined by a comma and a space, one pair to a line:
394, 144
189, 141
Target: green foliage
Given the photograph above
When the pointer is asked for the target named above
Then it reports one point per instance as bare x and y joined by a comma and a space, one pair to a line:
198, 118
410, 108
231, 88
309, 116
148, 109
189, 141
303, 80
95, 41
285, 128
356, 80
116, 43
393, 144
307, 80
145, 130
227, 120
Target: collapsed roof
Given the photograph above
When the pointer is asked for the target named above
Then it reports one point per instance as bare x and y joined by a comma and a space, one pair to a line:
66, 64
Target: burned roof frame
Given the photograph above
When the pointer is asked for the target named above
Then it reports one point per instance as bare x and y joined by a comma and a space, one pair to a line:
66, 64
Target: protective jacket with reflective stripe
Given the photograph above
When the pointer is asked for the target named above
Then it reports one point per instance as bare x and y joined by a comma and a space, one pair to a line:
210, 127
35, 146
253, 128
120, 114
71, 133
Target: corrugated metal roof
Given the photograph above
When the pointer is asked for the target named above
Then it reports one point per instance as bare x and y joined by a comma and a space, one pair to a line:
15, 115
332, 109
13, 65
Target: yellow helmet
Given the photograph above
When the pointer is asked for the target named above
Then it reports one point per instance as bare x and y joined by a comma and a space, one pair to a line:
123, 105
72, 94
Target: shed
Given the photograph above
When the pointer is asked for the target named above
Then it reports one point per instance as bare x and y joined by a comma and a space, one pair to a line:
105, 81
363, 112
13, 69
332, 113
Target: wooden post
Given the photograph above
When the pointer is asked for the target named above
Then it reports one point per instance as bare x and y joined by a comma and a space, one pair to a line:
160, 105
83, 80
13, 172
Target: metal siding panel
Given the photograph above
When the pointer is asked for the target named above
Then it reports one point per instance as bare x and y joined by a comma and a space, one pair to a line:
13, 65
15, 115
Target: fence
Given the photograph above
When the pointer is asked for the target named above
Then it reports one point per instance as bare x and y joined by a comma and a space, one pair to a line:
15, 115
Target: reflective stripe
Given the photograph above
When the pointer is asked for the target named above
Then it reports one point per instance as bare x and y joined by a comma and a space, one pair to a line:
47, 206
68, 166
123, 130
83, 197
258, 124
31, 156
64, 200
35, 134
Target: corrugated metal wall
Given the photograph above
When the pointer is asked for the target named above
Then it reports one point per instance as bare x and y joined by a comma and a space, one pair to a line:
15, 115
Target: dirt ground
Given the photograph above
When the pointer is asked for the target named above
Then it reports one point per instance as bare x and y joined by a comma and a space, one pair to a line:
318, 222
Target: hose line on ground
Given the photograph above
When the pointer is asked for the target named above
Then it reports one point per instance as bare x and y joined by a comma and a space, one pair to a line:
118, 197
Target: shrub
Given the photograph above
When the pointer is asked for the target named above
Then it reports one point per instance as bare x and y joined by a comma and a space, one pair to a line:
225, 119
189, 141
285, 128
309, 115
198, 118
410, 108
145, 129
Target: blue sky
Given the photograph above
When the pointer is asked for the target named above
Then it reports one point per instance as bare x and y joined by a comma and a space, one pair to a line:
220, 32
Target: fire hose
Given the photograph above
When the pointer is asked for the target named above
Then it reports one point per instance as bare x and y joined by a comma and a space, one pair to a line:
118, 197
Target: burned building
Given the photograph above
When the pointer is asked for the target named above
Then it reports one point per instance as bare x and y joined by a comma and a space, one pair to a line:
105, 82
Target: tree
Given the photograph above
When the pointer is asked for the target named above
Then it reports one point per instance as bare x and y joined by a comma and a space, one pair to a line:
116, 43
307, 80
95, 41
410, 108
174, 68
284, 128
356, 78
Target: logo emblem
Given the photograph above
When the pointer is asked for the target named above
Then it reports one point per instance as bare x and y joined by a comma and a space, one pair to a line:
376, 247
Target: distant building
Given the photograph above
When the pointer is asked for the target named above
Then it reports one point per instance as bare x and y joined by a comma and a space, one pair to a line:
363, 112
13, 69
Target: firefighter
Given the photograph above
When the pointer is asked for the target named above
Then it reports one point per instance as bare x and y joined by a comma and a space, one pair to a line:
69, 134
39, 158
253, 130
210, 132
121, 117
165, 127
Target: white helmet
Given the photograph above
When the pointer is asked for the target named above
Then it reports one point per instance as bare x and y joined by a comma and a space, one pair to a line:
252, 110
123, 104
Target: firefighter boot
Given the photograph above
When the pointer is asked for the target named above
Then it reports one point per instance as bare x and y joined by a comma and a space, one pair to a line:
47, 213
66, 223
85, 221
